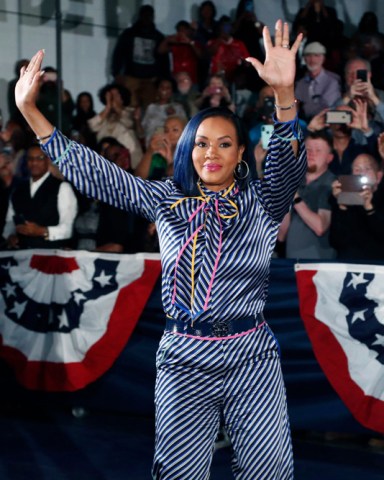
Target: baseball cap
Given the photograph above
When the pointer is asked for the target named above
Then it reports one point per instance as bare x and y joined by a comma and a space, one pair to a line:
315, 48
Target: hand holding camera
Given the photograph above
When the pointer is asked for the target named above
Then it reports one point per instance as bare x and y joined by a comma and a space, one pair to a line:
352, 117
215, 90
160, 144
362, 88
359, 87
360, 115
338, 117
353, 190
318, 121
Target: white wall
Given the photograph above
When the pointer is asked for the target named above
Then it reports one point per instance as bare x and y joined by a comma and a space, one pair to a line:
87, 42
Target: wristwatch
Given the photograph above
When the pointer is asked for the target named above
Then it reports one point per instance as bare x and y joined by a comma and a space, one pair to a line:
297, 200
46, 234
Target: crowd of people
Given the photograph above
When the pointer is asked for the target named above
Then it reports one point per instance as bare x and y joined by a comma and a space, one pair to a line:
158, 82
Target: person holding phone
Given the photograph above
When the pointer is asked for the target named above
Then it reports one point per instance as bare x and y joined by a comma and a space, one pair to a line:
217, 224
357, 229
215, 94
157, 161
358, 84
348, 139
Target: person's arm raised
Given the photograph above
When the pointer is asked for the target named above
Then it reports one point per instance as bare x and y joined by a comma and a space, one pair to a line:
26, 93
279, 69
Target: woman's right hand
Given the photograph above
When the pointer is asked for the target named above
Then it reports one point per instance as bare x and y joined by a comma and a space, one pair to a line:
28, 86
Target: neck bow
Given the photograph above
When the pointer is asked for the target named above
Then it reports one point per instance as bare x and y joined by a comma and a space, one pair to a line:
197, 261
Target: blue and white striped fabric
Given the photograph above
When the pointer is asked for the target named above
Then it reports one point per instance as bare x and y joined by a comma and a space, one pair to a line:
241, 281
238, 382
201, 380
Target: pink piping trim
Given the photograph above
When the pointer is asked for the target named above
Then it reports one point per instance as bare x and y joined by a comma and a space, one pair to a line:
196, 337
218, 255
193, 215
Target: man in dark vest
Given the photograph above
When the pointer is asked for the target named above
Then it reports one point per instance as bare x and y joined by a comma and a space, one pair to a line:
42, 209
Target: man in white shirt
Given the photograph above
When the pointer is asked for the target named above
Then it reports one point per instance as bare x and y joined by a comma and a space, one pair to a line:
42, 209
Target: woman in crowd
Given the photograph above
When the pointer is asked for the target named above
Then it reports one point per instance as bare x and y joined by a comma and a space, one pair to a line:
215, 94
84, 112
157, 161
156, 113
117, 120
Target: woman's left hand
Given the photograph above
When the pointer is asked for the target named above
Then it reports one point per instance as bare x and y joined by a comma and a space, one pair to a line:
279, 67
28, 86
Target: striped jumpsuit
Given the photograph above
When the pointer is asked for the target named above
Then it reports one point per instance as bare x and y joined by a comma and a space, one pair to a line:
215, 252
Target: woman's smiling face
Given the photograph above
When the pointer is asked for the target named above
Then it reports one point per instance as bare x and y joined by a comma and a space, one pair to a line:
216, 152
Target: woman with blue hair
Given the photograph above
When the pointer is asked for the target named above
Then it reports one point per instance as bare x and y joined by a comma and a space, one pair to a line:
218, 361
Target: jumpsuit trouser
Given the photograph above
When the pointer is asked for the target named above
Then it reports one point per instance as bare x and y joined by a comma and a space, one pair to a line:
237, 381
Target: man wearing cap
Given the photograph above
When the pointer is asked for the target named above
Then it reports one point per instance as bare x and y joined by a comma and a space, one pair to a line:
319, 88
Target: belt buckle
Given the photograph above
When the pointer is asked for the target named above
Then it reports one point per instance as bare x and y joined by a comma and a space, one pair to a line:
221, 329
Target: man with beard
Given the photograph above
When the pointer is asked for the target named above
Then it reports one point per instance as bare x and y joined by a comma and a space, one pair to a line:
319, 88
305, 227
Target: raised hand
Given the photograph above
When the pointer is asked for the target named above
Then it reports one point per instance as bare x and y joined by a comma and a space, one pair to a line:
26, 92
28, 85
279, 67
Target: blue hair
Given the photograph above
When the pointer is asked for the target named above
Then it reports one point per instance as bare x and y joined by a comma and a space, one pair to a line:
184, 172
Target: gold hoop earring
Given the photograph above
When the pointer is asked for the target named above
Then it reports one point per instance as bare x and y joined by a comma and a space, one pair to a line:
237, 173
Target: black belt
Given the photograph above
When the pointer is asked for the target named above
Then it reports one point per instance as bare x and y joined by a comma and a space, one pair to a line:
218, 328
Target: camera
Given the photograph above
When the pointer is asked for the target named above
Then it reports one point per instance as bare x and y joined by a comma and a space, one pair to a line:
353, 183
338, 116
362, 75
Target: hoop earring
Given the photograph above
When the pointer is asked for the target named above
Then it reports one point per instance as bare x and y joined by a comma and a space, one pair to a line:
237, 172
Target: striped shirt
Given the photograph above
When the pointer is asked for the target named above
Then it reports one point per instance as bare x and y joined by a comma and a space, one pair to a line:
216, 248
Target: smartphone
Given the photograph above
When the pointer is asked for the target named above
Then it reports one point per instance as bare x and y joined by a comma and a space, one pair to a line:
214, 90
351, 186
266, 133
362, 75
338, 116
353, 183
